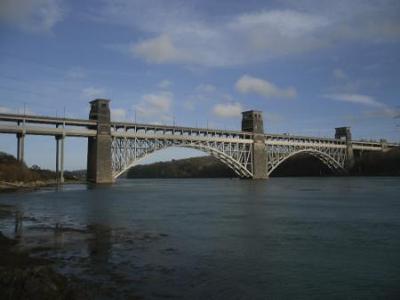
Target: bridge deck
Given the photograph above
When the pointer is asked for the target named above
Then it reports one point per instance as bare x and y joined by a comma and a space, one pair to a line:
46, 120
47, 131
142, 131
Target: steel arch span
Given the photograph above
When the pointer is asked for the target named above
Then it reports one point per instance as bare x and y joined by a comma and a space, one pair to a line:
126, 153
334, 158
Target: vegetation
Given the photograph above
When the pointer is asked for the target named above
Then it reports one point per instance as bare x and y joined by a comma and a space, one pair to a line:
378, 163
12, 170
196, 167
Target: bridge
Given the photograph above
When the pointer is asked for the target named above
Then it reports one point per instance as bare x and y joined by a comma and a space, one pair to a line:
114, 147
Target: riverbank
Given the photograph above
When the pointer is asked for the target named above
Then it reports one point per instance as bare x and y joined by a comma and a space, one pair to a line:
17, 176
24, 186
21, 186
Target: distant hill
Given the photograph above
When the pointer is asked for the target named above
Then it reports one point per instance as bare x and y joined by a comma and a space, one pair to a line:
210, 167
378, 163
370, 164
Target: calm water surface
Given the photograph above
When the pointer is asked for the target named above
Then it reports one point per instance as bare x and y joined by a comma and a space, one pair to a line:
285, 238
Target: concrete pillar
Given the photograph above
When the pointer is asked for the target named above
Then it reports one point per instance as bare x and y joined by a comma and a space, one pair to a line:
344, 133
60, 159
252, 121
20, 146
384, 145
99, 167
57, 160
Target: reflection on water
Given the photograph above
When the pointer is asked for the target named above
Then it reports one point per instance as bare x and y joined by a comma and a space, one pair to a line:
100, 244
18, 224
235, 239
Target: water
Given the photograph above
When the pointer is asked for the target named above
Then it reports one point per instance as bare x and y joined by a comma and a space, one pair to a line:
285, 238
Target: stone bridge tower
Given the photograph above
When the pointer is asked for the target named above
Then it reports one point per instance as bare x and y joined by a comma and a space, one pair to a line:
344, 133
99, 167
252, 121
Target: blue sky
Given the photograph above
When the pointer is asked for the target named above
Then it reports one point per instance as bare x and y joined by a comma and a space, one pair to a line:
310, 66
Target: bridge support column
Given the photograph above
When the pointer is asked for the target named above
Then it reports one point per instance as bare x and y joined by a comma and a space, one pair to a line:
60, 159
344, 133
252, 121
20, 146
384, 145
99, 167
259, 158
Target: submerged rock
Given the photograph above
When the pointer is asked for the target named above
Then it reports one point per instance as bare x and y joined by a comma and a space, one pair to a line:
38, 282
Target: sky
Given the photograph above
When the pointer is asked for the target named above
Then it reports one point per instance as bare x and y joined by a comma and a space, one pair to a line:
310, 66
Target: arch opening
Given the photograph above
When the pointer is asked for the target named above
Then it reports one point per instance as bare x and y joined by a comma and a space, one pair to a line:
319, 163
225, 159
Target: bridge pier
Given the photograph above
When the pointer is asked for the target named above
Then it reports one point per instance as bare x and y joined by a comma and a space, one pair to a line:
252, 121
20, 146
99, 167
59, 159
344, 133
384, 145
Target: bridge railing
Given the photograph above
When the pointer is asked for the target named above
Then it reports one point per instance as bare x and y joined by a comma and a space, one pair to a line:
151, 130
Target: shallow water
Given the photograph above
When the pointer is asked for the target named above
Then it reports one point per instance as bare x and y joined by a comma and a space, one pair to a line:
298, 238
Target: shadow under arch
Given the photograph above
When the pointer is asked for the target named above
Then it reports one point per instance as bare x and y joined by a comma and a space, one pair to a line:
325, 158
235, 165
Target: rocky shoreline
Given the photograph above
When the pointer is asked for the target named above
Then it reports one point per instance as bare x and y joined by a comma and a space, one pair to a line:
32, 185
25, 277
31, 256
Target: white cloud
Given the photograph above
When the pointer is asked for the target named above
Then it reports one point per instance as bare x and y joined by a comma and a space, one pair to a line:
339, 74
272, 118
248, 84
6, 110
155, 107
189, 105
159, 50
205, 88
379, 109
176, 33
227, 110
76, 73
385, 112
356, 98
118, 114
164, 84
32, 15
93, 93
19, 110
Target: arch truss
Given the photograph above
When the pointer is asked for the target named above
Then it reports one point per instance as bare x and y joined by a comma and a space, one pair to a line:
235, 153
333, 155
